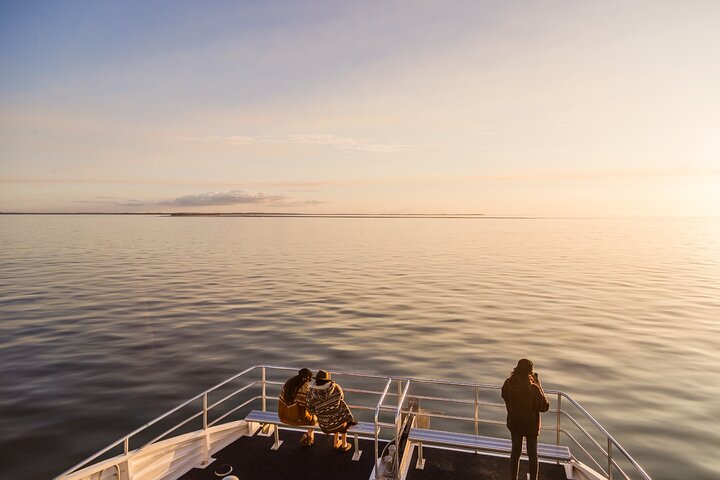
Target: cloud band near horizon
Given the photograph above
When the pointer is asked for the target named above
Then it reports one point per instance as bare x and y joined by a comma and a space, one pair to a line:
218, 199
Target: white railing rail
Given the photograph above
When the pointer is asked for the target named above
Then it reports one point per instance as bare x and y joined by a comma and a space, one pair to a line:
397, 408
126, 439
607, 453
206, 408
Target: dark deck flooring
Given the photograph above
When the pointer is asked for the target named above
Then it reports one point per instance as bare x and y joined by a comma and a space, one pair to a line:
443, 464
251, 458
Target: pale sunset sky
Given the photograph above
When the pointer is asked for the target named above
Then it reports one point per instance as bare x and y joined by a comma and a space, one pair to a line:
547, 108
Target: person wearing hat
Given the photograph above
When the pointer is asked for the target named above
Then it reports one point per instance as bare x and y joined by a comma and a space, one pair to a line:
524, 400
326, 400
292, 404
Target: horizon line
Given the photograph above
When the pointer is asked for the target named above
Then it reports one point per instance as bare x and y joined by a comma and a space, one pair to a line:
359, 215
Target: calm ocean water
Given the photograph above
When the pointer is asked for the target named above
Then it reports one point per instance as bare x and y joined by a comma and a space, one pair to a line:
108, 321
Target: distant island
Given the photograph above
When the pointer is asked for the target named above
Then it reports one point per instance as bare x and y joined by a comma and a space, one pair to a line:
333, 215
285, 215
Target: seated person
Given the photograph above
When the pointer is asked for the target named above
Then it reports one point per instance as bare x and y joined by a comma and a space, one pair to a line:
326, 400
292, 404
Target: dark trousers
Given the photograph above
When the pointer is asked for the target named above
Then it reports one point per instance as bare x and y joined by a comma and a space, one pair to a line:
517, 441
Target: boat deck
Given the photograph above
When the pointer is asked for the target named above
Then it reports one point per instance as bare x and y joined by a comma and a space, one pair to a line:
449, 451
252, 458
443, 464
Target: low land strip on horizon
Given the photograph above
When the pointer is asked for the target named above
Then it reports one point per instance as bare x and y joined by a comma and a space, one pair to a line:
287, 215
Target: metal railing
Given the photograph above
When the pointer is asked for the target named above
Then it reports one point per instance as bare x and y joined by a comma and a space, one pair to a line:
401, 397
264, 383
607, 453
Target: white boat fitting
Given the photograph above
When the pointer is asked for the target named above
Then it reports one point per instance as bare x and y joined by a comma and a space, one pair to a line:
228, 430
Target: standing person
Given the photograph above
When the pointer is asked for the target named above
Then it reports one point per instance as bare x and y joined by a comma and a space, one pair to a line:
326, 400
292, 404
525, 400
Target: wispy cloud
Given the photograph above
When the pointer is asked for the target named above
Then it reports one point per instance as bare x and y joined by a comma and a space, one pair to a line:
211, 199
233, 197
342, 143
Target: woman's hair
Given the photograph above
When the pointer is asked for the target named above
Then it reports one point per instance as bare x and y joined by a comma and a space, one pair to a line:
295, 383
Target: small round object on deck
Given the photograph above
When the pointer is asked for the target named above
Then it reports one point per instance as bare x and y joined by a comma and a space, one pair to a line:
223, 470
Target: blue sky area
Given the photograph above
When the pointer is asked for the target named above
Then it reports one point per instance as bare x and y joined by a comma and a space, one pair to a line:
509, 108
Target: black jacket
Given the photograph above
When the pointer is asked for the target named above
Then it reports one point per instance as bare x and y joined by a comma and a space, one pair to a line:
524, 402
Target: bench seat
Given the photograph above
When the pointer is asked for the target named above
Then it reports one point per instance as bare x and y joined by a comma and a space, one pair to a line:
422, 436
271, 418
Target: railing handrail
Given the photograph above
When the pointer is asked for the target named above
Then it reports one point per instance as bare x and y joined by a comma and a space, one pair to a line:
607, 434
153, 421
377, 423
575, 403
378, 407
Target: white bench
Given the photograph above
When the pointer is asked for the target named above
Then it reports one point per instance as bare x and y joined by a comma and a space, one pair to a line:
271, 418
422, 436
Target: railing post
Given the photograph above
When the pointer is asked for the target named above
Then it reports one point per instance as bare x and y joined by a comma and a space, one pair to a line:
205, 411
610, 462
377, 426
398, 425
377, 433
128, 463
206, 446
559, 409
264, 406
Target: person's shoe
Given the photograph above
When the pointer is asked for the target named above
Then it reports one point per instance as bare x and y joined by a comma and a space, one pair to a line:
345, 448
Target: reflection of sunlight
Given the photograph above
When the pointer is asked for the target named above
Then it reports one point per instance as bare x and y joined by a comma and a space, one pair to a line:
701, 196
708, 148
714, 200
686, 196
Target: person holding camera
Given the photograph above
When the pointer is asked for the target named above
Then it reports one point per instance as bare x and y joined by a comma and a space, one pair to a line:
524, 400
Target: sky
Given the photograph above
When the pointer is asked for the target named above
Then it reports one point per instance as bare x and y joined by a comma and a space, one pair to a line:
547, 108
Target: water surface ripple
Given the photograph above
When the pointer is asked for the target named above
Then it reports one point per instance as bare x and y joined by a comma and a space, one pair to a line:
108, 321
